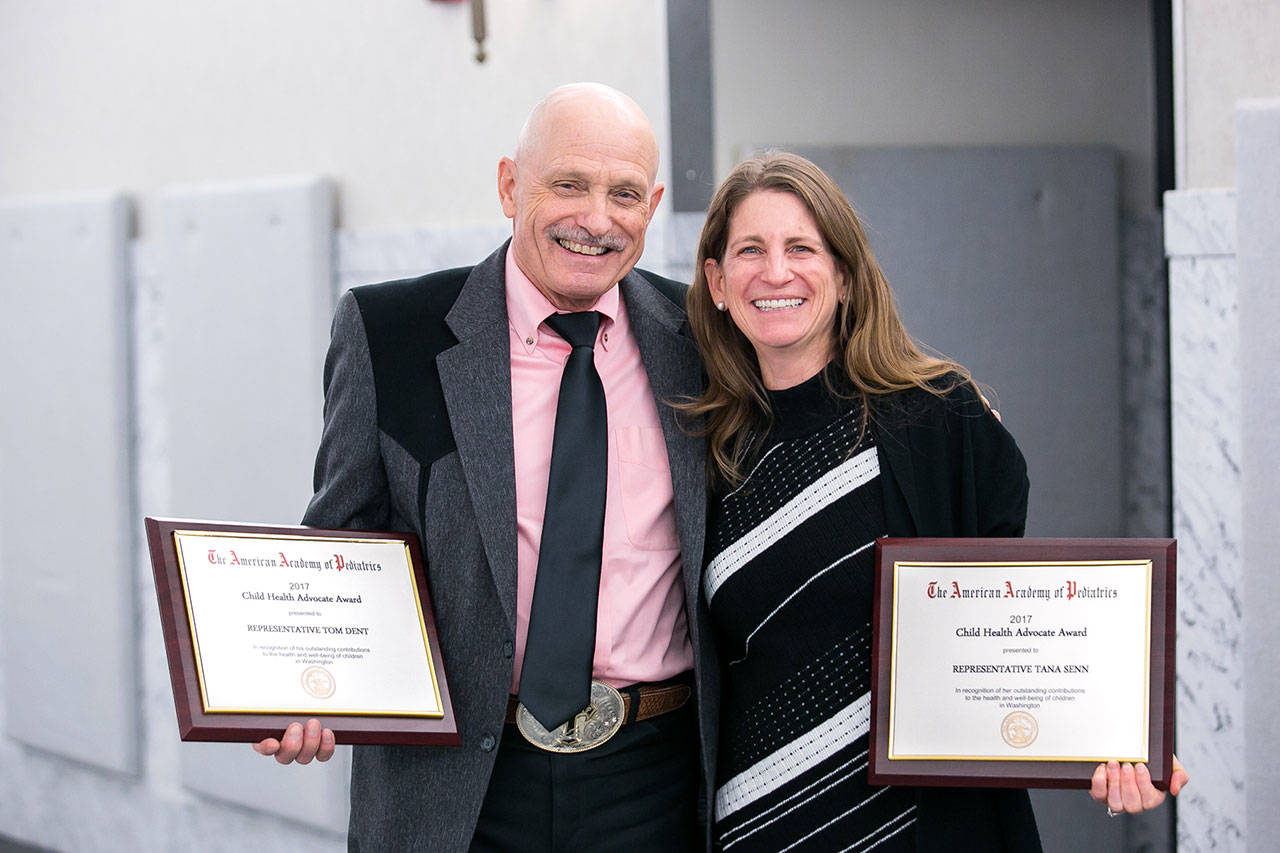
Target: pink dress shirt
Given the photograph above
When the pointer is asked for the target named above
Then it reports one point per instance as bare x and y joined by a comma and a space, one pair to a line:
641, 628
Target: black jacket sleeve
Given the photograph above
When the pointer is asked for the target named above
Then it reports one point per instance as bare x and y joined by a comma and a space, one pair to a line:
948, 466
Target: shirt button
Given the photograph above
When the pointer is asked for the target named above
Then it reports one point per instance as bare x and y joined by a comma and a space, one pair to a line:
606, 337
487, 743
507, 648
528, 342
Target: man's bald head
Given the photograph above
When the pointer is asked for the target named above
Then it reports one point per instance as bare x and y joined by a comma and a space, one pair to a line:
575, 102
580, 190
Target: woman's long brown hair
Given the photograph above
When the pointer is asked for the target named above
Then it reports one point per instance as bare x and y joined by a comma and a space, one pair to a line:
875, 350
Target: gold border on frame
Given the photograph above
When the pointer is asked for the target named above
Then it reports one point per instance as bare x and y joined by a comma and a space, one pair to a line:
893, 661
195, 639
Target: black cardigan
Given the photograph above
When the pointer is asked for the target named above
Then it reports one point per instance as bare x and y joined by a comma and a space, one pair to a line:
948, 467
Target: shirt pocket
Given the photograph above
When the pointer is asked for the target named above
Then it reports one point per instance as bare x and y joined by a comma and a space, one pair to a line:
648, 503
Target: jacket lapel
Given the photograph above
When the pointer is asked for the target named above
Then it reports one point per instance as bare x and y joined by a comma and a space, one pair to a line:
475, 376
671, 361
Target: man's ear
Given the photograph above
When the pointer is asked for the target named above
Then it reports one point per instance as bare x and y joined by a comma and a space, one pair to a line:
654, 198
507, 186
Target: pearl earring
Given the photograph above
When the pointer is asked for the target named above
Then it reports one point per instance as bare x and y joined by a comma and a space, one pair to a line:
719, 306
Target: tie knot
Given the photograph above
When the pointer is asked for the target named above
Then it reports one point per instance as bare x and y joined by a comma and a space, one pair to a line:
578, 329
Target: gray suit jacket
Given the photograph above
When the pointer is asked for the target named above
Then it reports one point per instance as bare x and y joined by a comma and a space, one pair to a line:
417, 437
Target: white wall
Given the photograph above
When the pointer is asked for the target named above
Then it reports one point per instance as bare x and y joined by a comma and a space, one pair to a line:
383, 97
1223, 52
966, 72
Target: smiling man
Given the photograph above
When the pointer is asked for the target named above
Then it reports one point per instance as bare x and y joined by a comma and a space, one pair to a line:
580, 190
441, 409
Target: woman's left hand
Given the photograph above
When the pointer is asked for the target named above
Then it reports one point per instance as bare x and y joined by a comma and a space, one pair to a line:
1127, 787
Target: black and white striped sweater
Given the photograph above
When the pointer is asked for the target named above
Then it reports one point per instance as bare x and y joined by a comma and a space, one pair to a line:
789, 582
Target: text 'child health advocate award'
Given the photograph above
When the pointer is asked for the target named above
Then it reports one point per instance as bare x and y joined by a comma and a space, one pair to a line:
266, 624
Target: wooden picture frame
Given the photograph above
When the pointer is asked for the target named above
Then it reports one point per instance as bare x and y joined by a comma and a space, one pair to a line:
397, 608
974, 659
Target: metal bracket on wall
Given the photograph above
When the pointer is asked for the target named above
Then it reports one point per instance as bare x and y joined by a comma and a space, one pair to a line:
477, 28
477, 25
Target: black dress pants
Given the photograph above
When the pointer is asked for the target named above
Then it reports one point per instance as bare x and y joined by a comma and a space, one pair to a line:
636, 793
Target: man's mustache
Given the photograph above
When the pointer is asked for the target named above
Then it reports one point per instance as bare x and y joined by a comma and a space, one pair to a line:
577, 234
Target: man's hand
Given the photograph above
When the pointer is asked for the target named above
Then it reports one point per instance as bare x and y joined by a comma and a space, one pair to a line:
299, 744
1128, 788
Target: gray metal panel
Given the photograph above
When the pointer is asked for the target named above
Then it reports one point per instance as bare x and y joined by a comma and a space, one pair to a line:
246, 282
690, 92
1007, 260
66, 500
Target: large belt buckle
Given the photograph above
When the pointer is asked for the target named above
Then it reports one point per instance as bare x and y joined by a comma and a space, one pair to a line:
589, 728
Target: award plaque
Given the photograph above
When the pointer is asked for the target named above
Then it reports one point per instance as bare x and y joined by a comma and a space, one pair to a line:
265, 625
1021, 662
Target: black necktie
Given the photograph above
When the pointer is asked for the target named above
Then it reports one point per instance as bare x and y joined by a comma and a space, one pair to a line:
555, 680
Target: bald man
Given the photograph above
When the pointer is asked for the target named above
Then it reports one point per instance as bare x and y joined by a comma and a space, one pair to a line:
440, 404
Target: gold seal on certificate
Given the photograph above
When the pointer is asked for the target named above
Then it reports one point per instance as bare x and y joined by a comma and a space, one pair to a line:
1021, 661
264, 625
1019, 729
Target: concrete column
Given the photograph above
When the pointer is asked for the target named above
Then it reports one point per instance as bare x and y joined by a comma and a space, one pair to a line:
1258, 259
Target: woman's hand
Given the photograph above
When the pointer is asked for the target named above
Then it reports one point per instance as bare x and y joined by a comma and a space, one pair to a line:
1127, 787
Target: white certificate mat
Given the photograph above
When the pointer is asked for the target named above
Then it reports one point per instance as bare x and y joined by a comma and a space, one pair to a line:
1020, 661
306, 625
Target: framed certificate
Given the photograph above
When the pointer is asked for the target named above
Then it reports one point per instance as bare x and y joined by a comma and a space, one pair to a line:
1021, 662
264, 625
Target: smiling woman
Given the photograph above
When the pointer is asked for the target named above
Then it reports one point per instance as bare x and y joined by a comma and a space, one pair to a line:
828, 428
786, 284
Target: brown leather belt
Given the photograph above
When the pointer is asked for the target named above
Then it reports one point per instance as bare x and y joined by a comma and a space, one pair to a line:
646, 700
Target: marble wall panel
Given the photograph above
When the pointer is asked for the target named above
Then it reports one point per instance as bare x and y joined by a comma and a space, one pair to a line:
1207, 515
